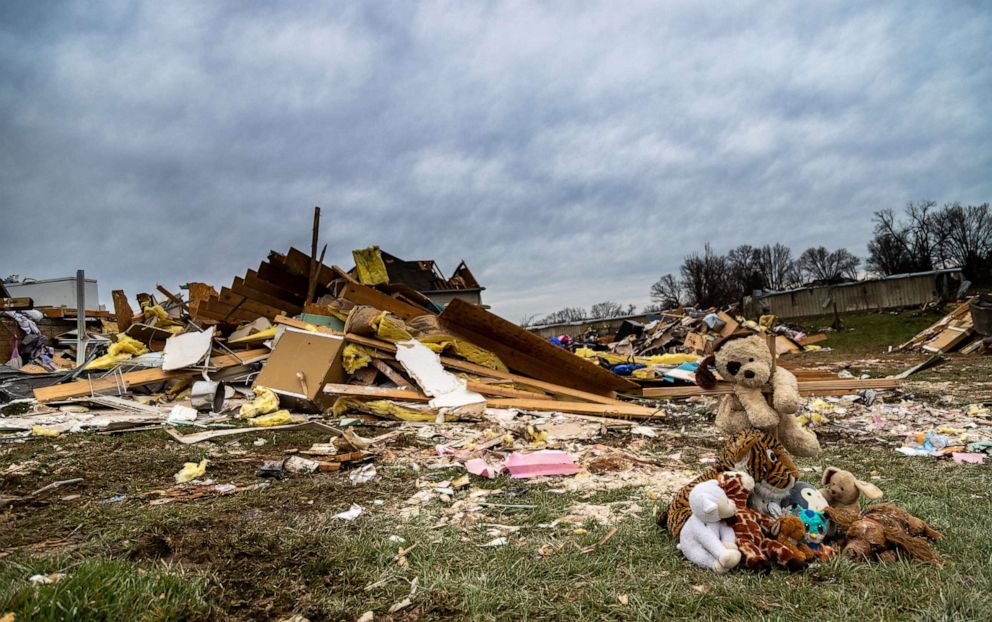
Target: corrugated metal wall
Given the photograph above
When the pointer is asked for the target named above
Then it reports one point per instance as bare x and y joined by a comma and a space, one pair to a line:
890, 293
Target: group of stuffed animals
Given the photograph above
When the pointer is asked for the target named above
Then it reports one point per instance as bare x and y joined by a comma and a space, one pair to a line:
750, 508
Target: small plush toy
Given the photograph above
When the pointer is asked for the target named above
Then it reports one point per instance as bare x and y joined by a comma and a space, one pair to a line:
882, 530
749, 526
817, 527
809, 505
807, 497
790, 532
744, 360
842, 490
706, 540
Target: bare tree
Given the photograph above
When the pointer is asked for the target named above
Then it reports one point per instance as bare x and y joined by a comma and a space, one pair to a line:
704, 278
744, 274
819, 265
528, 320
568, 314
966, 233
606, 309
777, 268
913, 245
667, 292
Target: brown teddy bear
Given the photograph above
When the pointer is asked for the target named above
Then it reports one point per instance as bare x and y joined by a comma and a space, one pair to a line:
882, 530
744, 360
843, 489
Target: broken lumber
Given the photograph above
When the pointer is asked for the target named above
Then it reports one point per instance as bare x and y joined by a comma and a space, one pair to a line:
354, 390
113, 381
525, 352
461, 365
583, 408
363, 295
839, 386
16, 304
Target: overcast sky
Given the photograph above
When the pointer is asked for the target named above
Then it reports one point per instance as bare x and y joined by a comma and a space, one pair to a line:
570, 152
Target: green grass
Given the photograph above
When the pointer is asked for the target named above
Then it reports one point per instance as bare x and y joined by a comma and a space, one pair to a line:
872, 332
270, 553
102, 589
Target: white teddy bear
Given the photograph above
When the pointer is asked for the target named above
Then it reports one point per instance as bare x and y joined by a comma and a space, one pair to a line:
705, 539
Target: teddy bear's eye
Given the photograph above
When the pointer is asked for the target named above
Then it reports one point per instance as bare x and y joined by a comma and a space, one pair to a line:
771, 456
750, 360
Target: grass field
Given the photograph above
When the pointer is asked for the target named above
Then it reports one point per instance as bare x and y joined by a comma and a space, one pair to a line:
270, 553
265, 554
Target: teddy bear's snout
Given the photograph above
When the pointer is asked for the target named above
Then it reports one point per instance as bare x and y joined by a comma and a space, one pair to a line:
733, 367
749, 374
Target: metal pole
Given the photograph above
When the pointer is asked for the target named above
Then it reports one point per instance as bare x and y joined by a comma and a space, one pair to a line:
80, 318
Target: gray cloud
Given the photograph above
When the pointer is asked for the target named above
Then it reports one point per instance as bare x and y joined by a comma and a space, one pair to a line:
570, 153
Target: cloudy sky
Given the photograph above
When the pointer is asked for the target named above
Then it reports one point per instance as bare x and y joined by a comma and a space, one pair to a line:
570, 152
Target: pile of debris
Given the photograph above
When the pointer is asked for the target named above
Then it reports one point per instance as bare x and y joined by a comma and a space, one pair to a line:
967, 330
667, 349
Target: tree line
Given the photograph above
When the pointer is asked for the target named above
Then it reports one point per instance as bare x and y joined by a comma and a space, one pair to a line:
924, 237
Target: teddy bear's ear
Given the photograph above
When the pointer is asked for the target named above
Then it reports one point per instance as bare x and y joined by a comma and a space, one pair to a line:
704, 377
828, 474
868, 489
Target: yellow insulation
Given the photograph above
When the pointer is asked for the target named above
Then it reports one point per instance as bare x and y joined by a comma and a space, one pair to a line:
370, 267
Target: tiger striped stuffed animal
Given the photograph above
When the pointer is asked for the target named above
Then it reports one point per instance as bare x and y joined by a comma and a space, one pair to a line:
757, 453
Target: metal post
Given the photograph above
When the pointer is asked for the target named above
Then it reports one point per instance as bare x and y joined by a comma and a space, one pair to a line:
80, 318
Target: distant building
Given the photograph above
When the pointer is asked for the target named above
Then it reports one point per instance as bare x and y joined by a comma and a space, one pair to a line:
424, 276
890, 292
55, 292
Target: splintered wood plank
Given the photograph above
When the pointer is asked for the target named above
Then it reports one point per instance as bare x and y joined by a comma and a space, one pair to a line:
14, 304
257, 283
122, 310
240, 288
140, 377
839, 386
362, 295
278, 275
394, 376
811, 339
299, 262
216, 310
527, 353
946, 340
583, 408
586, 408
238, 301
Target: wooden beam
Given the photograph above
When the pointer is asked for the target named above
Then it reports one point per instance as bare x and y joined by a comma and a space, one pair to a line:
227, 296
122, 310
526, 353
240, 287
299, 262
839, 386
256, 282
620, 409
586, 408
363, 295
312, 268
394, 376
16, 304
279, 275
112, 382
379, 393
